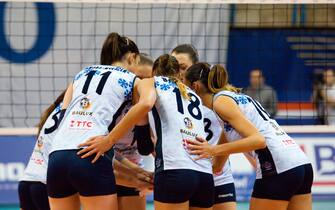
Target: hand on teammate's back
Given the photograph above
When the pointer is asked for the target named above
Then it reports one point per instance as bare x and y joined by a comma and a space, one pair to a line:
95, 145
199, 147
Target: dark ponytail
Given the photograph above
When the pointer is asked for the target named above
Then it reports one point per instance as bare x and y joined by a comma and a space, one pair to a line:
215, 78
115, 47
168, 66
49, 110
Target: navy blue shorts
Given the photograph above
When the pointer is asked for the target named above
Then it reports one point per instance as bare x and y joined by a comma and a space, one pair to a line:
181, 185
33, 196
225, 193
69, 174
123, 191
284, 186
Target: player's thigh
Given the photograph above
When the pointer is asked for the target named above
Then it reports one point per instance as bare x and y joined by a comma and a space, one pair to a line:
131, 203
169, 206
299, 202
262, 204
99, 202
67, 203
225, 206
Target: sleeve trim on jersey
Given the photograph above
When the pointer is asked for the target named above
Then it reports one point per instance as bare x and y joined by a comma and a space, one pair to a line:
222, 94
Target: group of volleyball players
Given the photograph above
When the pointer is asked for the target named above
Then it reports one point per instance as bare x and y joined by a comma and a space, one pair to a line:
182, 111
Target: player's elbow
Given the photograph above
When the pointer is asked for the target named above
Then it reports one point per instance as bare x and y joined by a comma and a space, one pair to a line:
146, 105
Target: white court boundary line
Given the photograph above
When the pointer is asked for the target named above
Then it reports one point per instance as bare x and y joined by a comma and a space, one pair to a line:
288, 129
185, 1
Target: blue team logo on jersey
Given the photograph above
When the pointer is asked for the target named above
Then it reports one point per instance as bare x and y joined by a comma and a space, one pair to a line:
166, 85
127, 86
241, 99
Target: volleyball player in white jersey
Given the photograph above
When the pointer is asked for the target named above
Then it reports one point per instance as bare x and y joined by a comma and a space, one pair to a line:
284, 173
180, 182
127, 148
32, 186
92, 100
225, 195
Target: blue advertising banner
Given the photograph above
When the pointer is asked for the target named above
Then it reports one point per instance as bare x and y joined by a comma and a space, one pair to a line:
14, 155
319, 147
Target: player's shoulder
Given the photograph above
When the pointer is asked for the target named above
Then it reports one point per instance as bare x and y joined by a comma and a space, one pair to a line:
239, 98
164, 83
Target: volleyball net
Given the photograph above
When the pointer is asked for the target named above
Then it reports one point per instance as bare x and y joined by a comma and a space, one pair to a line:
44, 44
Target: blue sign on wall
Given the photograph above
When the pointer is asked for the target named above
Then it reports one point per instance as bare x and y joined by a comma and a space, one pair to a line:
287, 58
14, 155
45, 35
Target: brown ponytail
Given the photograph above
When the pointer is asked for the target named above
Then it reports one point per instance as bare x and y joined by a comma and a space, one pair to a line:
115, 47
218, 80
49, 110
215, 78
168, 66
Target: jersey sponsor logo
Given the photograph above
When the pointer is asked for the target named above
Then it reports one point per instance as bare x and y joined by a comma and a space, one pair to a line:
37, 161
188, 123
188, 133
226, 195
82, 113
40, 142
278, 130
267, 166
289, 142
85, 103
81, 125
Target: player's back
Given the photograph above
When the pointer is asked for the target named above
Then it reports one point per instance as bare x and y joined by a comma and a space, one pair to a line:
281, 152
98, 93
174, 119
36, 169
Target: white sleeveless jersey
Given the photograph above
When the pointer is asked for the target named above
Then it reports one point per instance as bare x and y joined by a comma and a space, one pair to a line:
127, 145
99, 92
213, 132
282, 153
36, 169
173, 119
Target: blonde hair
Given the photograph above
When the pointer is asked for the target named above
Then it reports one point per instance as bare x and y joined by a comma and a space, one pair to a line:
218, 80
182, 88
168, 66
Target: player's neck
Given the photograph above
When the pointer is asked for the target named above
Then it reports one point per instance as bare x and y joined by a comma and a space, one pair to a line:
120, 64
207, 100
